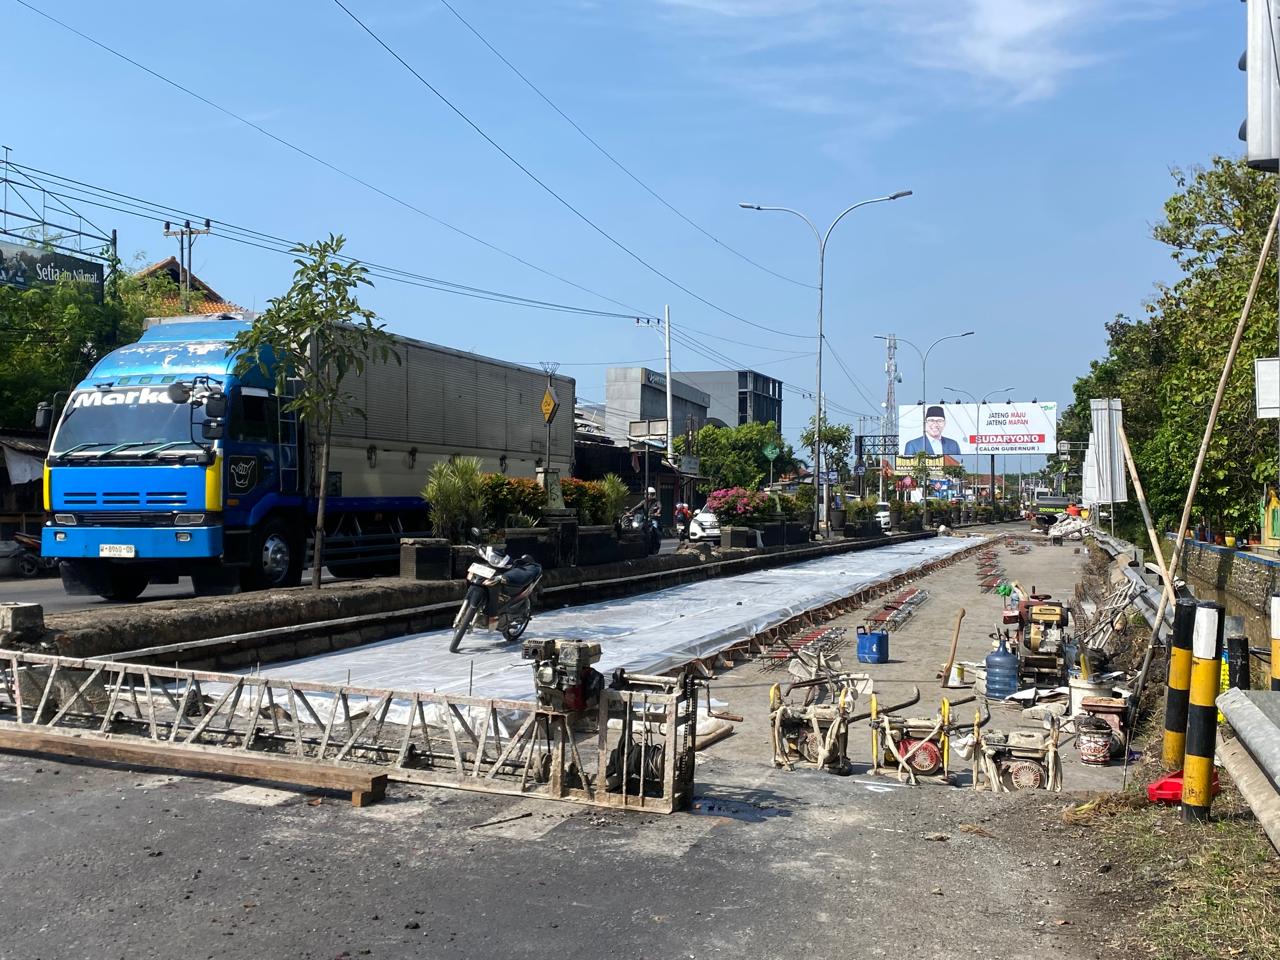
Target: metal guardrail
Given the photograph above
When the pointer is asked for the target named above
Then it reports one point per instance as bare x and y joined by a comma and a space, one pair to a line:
635, 750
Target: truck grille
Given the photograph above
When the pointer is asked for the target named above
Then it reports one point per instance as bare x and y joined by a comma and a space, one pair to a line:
121, 518
175, 499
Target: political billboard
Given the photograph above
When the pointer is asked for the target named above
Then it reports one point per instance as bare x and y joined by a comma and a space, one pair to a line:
957, 429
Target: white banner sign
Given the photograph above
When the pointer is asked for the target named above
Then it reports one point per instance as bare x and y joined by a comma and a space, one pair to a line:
1266, 388
956, 429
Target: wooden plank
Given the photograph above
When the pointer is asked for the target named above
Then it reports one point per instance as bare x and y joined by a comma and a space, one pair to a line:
365, 787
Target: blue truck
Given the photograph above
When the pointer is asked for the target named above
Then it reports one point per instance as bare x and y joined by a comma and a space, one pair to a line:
166, 464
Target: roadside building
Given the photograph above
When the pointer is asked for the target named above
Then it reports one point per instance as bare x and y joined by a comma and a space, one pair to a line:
22, 454
204, 300
638, 393
736, 397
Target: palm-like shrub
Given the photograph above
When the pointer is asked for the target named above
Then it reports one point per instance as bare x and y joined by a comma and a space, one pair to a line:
455, 494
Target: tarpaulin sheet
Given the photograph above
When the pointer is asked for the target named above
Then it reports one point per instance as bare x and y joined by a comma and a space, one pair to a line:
648, 633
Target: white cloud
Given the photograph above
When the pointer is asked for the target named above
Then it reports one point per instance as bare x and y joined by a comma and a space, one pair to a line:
1010, 51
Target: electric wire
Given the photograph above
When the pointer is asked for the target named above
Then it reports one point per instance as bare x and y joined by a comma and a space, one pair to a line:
610, 157
857, 384
318, 159
81, 192
551, 191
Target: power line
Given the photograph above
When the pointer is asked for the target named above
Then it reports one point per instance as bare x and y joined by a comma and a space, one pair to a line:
317, 159
81, 192
611, 158
857, 384
549, 190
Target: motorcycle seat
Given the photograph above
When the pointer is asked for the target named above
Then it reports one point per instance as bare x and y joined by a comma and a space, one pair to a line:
523, 574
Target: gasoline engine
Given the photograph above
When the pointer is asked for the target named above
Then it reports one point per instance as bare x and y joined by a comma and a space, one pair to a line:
564, 677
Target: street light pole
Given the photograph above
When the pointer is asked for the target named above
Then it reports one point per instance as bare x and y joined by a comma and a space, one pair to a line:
820, 511
924, 389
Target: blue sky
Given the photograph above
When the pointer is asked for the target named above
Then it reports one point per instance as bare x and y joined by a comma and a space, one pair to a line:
1037, 136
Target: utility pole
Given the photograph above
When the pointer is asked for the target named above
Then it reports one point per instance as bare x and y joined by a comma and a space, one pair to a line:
186, 235
888, 422
671, 440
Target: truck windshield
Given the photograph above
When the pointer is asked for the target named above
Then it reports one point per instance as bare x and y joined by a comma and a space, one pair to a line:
128, 422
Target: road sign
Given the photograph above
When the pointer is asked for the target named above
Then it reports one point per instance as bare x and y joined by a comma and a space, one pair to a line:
689, 465
648, 430
771, 451
860, 470
550, 404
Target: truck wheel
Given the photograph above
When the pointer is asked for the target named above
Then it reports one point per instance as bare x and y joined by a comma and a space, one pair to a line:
275, 559
125, 584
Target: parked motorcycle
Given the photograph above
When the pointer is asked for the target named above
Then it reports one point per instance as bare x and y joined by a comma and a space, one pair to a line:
499, 590
30, 561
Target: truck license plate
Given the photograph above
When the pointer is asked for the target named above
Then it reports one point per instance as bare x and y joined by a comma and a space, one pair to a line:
116, 550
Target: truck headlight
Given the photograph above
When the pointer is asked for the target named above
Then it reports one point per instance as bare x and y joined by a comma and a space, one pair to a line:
188, 519
65, 519
183, 537
59, 535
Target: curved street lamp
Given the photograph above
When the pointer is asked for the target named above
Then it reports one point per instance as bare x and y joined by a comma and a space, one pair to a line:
822, 238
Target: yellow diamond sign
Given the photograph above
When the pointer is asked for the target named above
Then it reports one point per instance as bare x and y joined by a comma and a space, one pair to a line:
550, 404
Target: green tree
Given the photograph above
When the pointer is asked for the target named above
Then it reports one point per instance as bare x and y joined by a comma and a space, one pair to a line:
318, 333
1165, 366
837, 446
734, 456
52, 335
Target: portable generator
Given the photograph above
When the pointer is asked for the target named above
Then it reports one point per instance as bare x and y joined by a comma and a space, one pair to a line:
564, 676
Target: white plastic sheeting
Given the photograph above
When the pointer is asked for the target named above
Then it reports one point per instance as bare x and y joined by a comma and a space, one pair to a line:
649, 633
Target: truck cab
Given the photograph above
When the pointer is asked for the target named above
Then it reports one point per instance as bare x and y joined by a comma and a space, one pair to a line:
165, 463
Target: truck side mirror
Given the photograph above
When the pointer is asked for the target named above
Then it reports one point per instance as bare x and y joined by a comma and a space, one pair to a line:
44, 416
215, 406
211, 429
178, 392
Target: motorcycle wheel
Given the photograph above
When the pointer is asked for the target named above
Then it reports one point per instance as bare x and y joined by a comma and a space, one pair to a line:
468, 614
515, 627
28, 565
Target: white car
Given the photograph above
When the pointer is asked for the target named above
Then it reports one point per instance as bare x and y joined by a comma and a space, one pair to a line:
883, 516
704, 525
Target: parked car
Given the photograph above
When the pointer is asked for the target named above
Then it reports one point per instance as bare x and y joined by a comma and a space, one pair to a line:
883, 516
704, 526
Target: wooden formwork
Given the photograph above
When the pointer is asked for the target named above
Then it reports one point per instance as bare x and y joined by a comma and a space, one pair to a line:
634, 751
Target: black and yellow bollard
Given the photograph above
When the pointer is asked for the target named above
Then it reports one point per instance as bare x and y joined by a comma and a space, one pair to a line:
1176, 698
1202, 713
1275, 641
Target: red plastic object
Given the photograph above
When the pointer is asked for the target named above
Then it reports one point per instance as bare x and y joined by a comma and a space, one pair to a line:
1168, 789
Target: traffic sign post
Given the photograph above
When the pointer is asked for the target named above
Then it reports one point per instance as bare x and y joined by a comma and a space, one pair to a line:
771, 452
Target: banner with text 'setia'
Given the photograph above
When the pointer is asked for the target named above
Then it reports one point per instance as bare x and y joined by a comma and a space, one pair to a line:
956, 429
